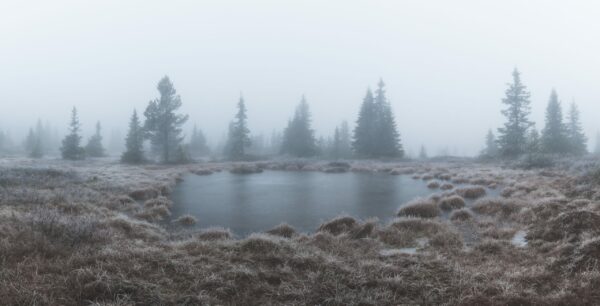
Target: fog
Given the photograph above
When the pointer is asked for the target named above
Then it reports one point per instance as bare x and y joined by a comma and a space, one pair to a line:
445, 64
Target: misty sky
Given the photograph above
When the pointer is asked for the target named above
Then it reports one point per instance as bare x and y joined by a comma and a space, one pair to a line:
445, 63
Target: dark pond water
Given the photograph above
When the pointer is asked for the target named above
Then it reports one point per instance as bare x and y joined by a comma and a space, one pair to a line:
258, 202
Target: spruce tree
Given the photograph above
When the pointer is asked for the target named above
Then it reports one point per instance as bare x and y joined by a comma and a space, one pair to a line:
37, 151
422, 152
239, 134
336, 144
94, 146
575, 135
345, 141
134, 142
554, 134
491, 145
71, 144
387, 141
30, 141
163, 124
298, 137
534, 143
364, 132
512, 137
198, 146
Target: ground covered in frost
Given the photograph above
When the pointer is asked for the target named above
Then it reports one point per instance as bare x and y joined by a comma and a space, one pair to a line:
100, 233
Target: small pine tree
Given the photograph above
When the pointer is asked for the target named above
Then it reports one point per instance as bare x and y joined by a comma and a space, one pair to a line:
534, 143
336, 145
94, 146
422, 152
298, 137
37, 151
198, 146
71, 148
512, 137
491, 146
239, 134
554, 134
134, 142
575, 135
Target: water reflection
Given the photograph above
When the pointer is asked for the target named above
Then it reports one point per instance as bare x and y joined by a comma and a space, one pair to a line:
258, 202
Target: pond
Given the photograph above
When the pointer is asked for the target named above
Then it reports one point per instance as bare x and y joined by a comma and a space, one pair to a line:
259, 202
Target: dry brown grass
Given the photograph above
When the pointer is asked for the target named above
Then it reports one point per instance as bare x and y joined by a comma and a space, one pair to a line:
452, 202
423, 208
74, 240
472, 192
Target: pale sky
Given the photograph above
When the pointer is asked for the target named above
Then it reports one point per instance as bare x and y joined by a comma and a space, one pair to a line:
445, 63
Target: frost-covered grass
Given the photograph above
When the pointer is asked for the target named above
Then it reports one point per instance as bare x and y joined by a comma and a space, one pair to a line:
95, 233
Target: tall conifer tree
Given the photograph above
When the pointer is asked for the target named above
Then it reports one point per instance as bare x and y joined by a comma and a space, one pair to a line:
163, 123
512, 139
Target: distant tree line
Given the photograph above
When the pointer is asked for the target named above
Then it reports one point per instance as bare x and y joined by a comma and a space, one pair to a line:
518, 137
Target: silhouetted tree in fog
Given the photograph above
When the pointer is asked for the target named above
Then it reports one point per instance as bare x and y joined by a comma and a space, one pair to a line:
198, 146
163, 124
298, 137
512, 137
364, 132
376, 134
94, 146
239, 134
422, 152
554, 134
387, 142
575, 135
71, 144
134, 142
491, 146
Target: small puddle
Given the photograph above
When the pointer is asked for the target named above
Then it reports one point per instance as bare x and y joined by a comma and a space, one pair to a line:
519, 239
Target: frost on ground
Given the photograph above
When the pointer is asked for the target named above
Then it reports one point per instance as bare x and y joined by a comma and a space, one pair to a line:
81, 233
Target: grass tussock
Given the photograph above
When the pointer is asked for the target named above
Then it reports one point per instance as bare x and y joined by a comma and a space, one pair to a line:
339, 225
215, 233
472, 192
186, 220
433, 185
422, 208
568, 225
452, 202
282, 230
499, 207
461, 215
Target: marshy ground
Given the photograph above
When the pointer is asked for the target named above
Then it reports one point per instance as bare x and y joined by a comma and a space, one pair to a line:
100, 233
